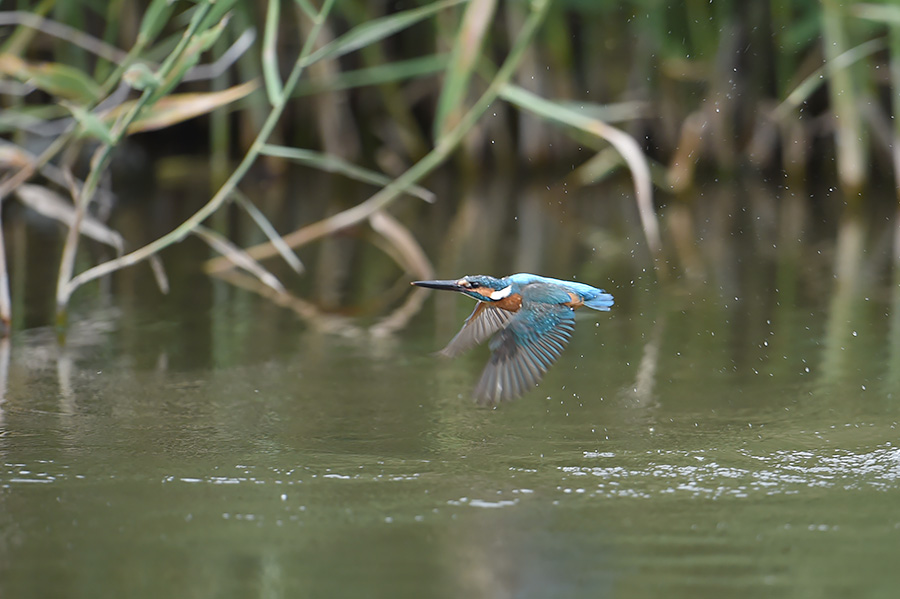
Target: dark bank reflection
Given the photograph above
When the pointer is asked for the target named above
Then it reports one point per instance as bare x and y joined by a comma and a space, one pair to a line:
728, 431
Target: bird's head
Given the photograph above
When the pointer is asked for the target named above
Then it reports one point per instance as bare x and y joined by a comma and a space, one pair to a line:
484, 288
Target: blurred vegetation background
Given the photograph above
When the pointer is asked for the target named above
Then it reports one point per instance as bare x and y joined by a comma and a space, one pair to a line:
100, 97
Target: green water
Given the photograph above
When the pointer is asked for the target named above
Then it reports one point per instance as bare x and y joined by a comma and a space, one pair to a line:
730, 430
683, 451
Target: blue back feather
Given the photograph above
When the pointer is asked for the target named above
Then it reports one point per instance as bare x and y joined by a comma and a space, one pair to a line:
598, 299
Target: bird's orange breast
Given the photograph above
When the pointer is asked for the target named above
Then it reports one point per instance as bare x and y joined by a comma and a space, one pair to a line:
510, 303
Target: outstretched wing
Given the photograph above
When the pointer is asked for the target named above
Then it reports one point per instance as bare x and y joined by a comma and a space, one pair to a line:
523, 351
484, 321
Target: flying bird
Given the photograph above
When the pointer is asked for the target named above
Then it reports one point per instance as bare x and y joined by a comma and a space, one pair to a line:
530, 319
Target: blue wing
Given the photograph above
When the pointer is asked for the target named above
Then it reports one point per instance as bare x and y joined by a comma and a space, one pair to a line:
523, 351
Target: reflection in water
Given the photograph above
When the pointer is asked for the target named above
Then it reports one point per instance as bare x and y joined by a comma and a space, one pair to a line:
215, 443
4, 373
892, 367
64, 371
844, 307
645, 380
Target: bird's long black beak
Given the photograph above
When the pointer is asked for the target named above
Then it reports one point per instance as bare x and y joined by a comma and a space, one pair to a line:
446, 285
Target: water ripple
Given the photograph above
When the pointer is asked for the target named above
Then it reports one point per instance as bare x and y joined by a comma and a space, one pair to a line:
780, 472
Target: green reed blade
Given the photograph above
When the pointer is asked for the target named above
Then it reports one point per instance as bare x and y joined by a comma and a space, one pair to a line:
271, 75
466, 50
334, 164
376, 30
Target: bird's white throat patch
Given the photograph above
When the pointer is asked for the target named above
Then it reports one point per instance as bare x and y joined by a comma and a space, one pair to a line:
502, 293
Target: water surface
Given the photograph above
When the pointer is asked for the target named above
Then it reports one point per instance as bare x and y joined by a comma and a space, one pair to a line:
732, 437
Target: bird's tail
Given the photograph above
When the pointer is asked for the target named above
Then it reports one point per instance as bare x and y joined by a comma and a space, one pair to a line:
599, 301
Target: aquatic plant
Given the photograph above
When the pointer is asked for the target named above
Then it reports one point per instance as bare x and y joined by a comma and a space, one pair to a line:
344, 86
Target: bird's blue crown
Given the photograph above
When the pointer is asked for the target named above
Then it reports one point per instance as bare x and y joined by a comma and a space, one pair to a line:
475, 285
485, 281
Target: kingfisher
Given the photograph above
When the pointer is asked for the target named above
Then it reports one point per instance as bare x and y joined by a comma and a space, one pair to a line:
530, 319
